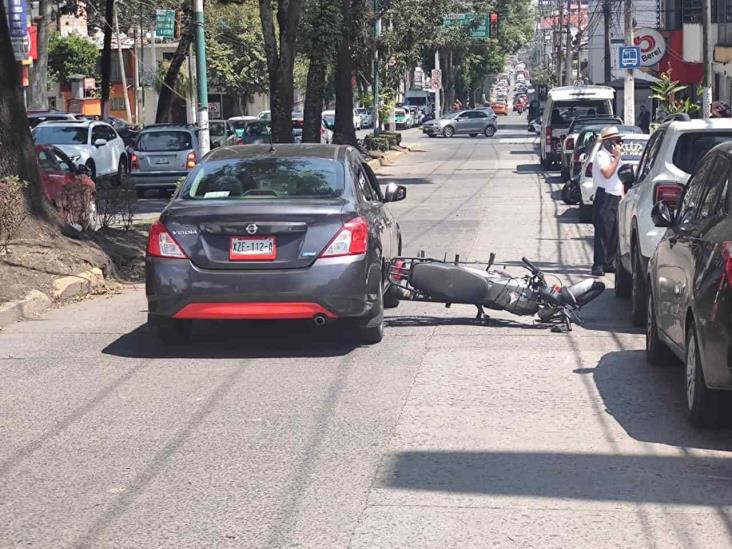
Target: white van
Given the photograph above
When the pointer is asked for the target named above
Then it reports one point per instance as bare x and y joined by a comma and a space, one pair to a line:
562, 105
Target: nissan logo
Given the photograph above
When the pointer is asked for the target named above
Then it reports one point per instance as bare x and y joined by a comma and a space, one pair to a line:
252, 228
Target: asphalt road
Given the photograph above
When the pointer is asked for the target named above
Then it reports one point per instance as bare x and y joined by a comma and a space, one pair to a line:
448, 434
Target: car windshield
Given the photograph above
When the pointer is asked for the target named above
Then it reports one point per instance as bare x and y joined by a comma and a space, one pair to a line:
564, 111
329, 118
60, 135
692, 146
451, 115
163, 141
239, 124
417, 101
265, 177
257, 129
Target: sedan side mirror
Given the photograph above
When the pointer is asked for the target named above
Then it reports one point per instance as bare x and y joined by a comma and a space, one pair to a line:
100, 142
626, 174
661, 215
81, 169
395, 193
582, 157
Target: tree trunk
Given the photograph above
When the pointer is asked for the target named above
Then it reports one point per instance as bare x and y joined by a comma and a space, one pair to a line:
107, 56
280, 62
38, 91
17, 153
166, 100
344, 132
314, 98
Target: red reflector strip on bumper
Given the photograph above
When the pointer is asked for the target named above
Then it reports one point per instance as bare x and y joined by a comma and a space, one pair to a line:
252, 311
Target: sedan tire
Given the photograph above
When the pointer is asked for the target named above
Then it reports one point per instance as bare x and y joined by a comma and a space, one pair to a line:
623, 281
367, 332
490, 131
564, 174
448, 131
701, 402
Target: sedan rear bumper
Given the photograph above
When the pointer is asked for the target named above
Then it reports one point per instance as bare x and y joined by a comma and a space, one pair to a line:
334, 287
156, 180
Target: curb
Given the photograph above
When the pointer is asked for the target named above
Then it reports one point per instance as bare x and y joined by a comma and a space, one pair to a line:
64, 289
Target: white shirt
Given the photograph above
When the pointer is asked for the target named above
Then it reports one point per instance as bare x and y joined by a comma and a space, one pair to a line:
612, 184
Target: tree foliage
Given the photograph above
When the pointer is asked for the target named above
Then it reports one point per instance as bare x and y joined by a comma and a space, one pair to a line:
72, 54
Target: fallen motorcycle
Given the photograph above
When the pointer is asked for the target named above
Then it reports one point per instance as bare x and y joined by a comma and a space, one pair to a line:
439, 281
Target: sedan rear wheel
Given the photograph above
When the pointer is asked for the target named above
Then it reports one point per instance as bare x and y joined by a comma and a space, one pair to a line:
372, 330
657, 353
701, 401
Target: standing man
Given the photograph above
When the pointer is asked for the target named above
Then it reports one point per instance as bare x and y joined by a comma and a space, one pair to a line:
609, 190
644, 119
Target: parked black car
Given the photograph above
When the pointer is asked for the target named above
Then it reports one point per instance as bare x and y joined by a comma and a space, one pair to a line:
275, 232
690, 282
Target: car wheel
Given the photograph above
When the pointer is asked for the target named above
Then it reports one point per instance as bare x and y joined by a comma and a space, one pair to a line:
638, 291
448, 131
657, 353
585, 213
92, 169
489, 131
174, 331
368, 332
121, 170
702, 402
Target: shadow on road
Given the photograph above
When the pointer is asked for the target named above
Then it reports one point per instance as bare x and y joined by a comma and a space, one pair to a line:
238, 339
431, 321
680, 480
406, 180
527, 168
649, 403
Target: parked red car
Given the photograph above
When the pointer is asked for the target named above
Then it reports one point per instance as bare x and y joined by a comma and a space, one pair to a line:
57, 172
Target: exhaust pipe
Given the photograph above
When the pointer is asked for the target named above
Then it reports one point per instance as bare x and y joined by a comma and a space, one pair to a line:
320, 320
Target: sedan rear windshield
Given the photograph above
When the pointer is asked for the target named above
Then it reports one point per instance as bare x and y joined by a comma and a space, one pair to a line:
692, 146
164, 141
265, 177
564, 111
60, 135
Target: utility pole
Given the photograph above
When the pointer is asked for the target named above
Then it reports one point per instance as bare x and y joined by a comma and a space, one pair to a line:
608, 39
128, 110
568, 47
377, 33
706, 50
558, 43
204, 139
629, 96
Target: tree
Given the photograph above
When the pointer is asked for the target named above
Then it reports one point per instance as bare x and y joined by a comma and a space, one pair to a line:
107, 55
17, 153
167, 95
38, 90
321, 36
280, 49
69, 55
234, 50
352, 11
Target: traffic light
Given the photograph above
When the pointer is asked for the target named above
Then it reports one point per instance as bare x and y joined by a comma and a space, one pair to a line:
494, 24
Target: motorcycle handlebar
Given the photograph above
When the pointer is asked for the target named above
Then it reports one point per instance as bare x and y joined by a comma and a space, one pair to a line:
530, 266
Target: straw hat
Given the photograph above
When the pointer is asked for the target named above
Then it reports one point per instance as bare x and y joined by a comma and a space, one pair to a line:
609, 133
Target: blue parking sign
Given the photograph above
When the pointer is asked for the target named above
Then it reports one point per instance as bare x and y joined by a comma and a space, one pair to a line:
629, 57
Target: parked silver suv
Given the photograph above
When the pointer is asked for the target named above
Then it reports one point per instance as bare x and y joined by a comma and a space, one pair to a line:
161, 155
471, 122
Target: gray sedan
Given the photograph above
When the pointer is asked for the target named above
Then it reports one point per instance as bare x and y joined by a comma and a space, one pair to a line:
471, 122
287, 232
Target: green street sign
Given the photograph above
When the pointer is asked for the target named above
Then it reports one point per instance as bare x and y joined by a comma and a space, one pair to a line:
165, 23
461, 19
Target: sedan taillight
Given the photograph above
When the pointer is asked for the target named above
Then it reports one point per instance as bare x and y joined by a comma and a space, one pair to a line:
191, 160
352, 239
160, 243
668, 192
134, 162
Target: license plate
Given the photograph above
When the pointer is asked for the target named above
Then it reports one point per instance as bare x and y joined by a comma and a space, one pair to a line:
162, 161
254, 248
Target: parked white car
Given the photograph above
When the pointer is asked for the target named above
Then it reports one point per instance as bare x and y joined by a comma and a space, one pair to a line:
367, 118
670, 157
90, 143
633, 147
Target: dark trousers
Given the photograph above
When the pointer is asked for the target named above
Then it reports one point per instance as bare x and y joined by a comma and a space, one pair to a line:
605, 220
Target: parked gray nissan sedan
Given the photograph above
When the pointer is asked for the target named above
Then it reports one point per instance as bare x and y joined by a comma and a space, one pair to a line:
274, 232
